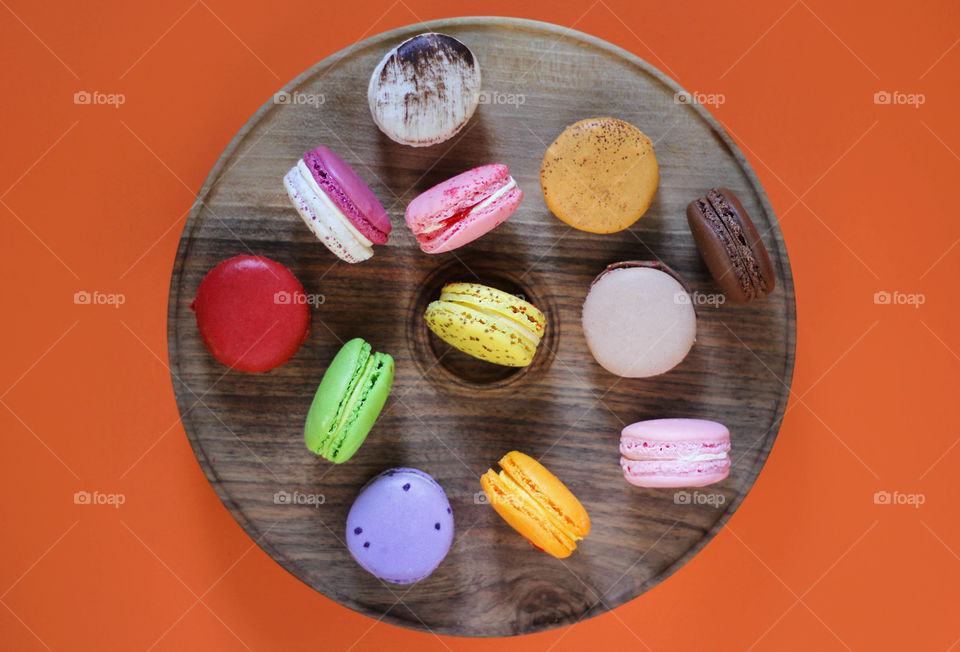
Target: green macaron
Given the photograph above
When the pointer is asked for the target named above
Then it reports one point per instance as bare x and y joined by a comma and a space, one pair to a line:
348, 401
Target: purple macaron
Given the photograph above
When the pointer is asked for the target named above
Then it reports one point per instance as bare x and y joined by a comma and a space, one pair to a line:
400, 526
350, 193
336, 205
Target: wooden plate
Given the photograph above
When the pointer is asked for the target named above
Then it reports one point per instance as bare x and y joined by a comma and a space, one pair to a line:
448, 414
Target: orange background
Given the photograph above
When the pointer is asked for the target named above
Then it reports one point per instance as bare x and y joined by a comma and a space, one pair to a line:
95, 198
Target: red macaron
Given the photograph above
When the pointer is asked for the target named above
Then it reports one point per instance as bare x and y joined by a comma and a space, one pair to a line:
252, 313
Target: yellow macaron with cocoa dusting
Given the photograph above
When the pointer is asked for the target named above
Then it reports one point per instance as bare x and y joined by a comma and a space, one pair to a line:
600, 175
536, 504
487, 323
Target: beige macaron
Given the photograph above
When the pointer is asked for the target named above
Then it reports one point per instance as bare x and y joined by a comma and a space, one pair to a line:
600, 175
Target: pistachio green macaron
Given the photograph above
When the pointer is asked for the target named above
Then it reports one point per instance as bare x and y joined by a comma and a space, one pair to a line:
348, 401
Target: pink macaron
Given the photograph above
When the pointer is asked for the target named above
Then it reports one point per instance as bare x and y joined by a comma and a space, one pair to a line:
337, 205
463, 208
675, 452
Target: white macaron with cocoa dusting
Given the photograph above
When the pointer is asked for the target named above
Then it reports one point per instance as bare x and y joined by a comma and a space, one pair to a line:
424, 90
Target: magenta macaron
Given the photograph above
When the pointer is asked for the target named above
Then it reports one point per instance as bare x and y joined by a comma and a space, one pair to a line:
463, 208
337, 205
675, 452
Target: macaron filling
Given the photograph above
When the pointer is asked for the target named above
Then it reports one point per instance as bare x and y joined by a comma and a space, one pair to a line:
517, 326
675, 452
757, 284
361, 384
428, 232
326, 185
331, 208
509, 491
348, 401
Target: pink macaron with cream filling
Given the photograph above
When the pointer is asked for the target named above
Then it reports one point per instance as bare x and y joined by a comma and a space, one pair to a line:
461, 209
337, 205
675, 452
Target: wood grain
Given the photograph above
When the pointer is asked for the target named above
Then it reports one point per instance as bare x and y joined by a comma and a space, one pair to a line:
452, 416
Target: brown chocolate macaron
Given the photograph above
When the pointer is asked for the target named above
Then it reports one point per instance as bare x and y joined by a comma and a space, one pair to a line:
730, 245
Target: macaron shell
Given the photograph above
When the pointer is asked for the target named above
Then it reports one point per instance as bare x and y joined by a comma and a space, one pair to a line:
519, 512
424, 90
487, 323
548, 490
442, 219
337, 380
731, 247
252, 313
636, 324
503, 303
753, 250
475, 334
443, 200
350, 193
675, 429
400, 526
375, 393
476, 224
355, 371
323, 218
600, 175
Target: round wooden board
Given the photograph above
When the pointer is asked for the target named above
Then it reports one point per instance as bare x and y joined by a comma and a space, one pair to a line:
447, 414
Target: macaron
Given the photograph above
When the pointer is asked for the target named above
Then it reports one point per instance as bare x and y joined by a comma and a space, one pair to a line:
638, 319
461, 209
730, 245
600, 175
424, 90
252, 313
536, 504
487, 323
400, 526
675, 452
348, 401
336, 205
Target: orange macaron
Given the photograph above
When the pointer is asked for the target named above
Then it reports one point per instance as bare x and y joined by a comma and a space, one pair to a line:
536, 504
600, 175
